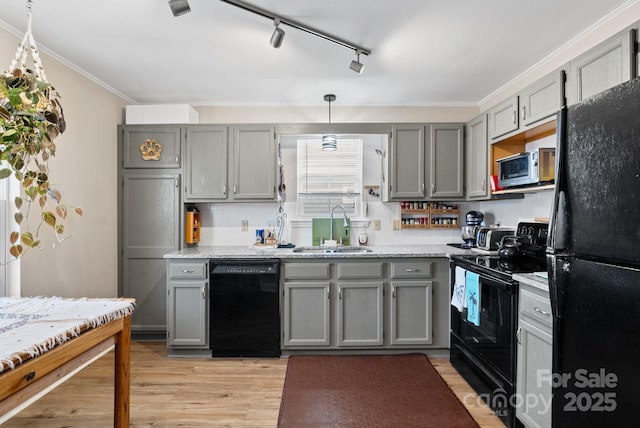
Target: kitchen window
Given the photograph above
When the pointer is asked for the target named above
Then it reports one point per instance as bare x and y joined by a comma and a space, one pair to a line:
326, 179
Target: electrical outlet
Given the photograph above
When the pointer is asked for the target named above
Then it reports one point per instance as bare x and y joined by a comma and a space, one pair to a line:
244, 225
376, 224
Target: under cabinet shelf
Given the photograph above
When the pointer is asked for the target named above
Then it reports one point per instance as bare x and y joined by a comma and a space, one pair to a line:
530, 189
427, 215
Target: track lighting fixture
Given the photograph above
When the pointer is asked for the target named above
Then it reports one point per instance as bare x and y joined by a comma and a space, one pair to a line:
278, 34
179, 7
356, 65
329, 141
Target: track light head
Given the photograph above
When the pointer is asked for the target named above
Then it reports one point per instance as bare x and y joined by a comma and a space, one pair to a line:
356, 65
179, 7
278, 34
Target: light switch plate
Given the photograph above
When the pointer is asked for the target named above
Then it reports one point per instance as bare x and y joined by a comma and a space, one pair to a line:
376, 224
244, 225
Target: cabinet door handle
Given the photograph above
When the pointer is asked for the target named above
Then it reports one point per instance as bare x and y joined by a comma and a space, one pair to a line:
540, 311
412, 270
484, 183
177, 159
523, 114
188, 271
235, 189
518, 335
328, 293
224, 190
340, 293
204, 293
514, 117
433, 188
393, 292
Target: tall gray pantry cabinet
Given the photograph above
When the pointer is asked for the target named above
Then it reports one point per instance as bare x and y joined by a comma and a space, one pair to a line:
149, 219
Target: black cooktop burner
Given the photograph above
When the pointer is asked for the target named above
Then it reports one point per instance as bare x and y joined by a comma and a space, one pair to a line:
508, 266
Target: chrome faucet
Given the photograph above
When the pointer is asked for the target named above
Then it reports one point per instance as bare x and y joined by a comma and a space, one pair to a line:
346, 223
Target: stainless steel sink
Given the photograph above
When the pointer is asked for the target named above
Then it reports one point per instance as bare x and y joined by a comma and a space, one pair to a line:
332, 250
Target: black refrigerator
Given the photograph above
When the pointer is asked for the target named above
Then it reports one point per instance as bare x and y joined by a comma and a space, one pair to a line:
593, 253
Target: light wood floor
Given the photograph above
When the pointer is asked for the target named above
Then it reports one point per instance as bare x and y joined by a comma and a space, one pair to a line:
178, 392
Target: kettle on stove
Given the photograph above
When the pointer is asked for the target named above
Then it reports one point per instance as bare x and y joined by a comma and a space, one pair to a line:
509, 247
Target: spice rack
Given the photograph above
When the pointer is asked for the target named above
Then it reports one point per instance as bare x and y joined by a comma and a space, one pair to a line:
428, 215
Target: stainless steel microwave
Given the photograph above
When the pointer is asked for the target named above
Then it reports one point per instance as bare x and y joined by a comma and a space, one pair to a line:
527, 168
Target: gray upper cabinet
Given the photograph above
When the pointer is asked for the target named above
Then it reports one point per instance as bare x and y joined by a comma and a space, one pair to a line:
229, 164
503, 118
205, 173
446, 157
605, 66
254, 162
531, 106
407, 162
476, 158
542, 99
150, 146
426, 162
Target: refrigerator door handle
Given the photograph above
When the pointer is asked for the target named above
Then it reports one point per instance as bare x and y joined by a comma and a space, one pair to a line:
557, 238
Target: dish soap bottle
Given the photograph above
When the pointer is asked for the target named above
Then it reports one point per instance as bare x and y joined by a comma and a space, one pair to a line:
363, 238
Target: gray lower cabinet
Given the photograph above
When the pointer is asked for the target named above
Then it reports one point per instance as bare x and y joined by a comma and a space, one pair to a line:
360, 303
149, 219
602, 67
410, 303
426, 162
187, 304
339, 304
306, 303
477, 158
534, 357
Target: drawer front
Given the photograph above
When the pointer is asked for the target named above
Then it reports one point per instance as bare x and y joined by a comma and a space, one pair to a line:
360, 270
535, 307
307, 270
188, 270
411, 269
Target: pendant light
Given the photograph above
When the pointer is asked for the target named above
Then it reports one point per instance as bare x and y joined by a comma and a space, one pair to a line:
329, 141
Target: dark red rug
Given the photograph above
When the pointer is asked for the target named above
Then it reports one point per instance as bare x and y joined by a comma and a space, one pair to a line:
368, 391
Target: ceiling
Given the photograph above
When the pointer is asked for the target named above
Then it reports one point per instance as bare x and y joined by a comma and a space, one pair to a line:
424, 52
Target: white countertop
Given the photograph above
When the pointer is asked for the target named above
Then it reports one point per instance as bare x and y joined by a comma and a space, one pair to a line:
537, 279
378, 251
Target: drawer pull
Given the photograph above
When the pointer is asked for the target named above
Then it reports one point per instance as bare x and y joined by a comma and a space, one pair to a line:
188, 271
393, 292
540, 311
518, 335
412, 270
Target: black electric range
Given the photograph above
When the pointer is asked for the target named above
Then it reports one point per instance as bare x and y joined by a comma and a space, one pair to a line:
484, 352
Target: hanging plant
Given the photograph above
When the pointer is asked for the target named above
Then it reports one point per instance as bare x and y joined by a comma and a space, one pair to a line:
31, 117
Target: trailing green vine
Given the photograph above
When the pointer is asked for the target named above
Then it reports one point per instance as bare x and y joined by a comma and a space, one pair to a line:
31, 117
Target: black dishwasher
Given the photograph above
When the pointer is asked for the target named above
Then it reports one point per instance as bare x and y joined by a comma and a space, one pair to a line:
245, 308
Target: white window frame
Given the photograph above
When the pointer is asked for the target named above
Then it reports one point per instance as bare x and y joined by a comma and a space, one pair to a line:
319, 176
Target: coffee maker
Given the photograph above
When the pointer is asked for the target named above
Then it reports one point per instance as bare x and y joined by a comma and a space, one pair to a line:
470, 230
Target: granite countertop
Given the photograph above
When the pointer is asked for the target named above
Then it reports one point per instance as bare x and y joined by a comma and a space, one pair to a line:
378, 251
537, 279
